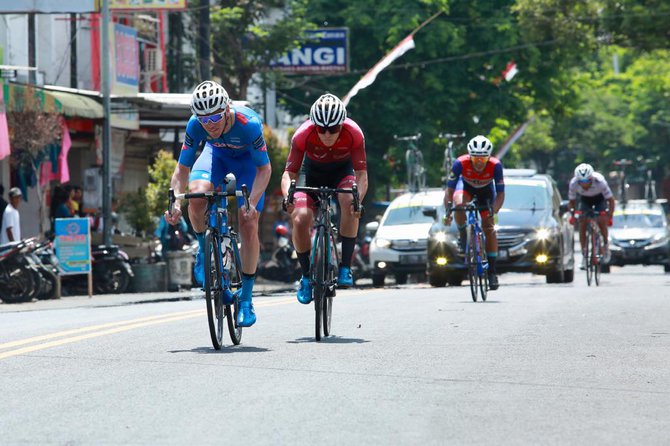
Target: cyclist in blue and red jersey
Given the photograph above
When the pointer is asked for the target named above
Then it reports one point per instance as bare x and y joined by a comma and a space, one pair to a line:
480, 175
234, 143
333, 149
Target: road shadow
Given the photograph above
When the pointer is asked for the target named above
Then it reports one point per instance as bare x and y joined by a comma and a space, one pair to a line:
329, 340
226, 349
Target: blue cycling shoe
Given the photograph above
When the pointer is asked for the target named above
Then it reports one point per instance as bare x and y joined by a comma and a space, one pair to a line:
344, 277
199, 269
246, 317
228, 297
305, 291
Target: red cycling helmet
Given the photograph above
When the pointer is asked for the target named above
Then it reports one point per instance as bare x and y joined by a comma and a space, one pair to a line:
281, 231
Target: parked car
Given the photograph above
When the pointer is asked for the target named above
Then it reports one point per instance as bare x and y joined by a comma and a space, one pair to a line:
534, 234
399, 244
640, 235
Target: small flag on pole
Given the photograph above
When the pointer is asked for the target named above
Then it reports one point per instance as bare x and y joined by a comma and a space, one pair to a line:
510, 71
405, 45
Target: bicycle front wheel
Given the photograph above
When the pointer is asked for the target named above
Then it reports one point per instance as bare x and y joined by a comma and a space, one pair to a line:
330, 289
597, 256
588, 253
319, 270
214, 287
234, 283
482, 268
472, 264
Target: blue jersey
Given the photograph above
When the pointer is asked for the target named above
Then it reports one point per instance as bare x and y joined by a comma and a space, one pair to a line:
245, 137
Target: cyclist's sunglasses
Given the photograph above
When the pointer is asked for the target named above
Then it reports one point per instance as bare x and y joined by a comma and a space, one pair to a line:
482, 158
584, 181
332, 130
211, 119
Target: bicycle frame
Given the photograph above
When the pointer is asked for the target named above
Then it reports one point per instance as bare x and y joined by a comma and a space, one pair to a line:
594, 245
324, 259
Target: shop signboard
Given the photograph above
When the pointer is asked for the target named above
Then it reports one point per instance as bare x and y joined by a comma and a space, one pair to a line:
325, 51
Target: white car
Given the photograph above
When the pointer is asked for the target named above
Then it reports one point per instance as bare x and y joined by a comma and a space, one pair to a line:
399, 245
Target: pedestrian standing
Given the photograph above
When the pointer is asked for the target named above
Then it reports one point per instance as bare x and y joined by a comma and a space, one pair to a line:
11, 222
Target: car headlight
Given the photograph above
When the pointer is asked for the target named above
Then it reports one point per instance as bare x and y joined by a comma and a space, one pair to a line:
440, 237
543, 234
382, 243
657, 238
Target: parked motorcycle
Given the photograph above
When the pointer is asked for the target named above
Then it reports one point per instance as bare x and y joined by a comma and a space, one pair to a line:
19, 279
47, 270
111, 271
283, 266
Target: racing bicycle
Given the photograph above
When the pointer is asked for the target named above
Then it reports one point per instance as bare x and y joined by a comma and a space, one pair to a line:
416, 172
324, 260
475, 248
594, 245
223, 266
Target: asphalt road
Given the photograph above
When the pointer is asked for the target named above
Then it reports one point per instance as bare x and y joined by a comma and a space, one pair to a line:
536, 364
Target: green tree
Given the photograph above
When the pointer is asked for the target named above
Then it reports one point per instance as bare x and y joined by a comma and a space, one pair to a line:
247, 34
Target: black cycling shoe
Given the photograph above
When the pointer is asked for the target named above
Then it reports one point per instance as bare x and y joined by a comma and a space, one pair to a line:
493, 281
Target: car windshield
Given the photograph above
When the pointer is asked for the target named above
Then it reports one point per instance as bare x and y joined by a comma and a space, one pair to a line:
406, 216
526, 196
637, 220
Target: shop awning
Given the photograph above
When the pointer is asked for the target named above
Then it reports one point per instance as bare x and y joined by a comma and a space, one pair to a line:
78, 106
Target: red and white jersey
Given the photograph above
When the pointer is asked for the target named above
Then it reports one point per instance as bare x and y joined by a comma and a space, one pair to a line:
350, 145
598, 186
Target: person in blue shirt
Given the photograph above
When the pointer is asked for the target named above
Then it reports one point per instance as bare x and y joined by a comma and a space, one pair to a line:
234, 143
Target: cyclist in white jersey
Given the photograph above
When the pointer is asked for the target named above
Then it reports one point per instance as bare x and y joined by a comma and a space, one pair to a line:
593, 191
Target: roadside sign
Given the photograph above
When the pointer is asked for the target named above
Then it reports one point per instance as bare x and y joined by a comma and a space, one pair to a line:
73, 245
325, 51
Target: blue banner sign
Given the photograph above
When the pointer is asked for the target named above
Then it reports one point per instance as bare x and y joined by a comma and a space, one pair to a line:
325, 51
73, 245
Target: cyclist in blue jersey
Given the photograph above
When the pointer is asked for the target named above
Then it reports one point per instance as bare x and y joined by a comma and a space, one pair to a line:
234, 143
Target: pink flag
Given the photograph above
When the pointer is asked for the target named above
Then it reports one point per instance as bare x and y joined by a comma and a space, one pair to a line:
66, 143
4, 129
405, 45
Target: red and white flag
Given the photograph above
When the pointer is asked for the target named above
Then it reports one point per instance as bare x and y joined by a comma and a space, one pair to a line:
405, 45
4, 129
510, 71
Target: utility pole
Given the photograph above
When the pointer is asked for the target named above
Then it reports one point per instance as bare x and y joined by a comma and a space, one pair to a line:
73, 51
32, 59
203, 32
106, 129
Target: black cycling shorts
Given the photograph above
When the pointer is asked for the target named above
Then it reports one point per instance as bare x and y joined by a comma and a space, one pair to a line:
596, 202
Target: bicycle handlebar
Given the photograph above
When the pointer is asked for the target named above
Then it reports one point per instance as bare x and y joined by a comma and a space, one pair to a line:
209, 195
326, 191
471, 206
407, 138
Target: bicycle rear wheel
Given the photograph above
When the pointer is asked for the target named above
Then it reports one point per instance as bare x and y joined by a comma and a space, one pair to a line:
588, 254
214, 288
319, 275
483, 271
234, 282
472, 264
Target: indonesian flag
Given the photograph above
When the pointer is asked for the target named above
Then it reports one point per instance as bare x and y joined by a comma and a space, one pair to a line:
510, 71
405, 45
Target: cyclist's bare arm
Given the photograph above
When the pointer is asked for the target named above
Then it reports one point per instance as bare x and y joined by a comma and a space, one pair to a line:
286, 179
611, 204
179, 183
497, 204
261, 181
448, 197
362, 182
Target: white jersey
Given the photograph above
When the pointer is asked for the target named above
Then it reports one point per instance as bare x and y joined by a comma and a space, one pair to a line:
10, 219
598, 186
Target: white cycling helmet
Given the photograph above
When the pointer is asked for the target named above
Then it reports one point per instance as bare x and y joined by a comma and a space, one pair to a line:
209, 97
328, 111
480, 146
584, 172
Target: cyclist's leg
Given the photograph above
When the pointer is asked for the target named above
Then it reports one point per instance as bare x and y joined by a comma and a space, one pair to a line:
461, 196
583, 207
302, 220
603, 222
348, 230
245, 173
488, 195
200, 180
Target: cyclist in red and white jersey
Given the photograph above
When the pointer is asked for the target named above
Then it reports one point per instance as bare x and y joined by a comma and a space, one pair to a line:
593, 190
480, 175
331, 150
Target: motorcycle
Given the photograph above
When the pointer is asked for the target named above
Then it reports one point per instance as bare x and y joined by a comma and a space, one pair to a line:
283, 266
112, 272
19, 279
